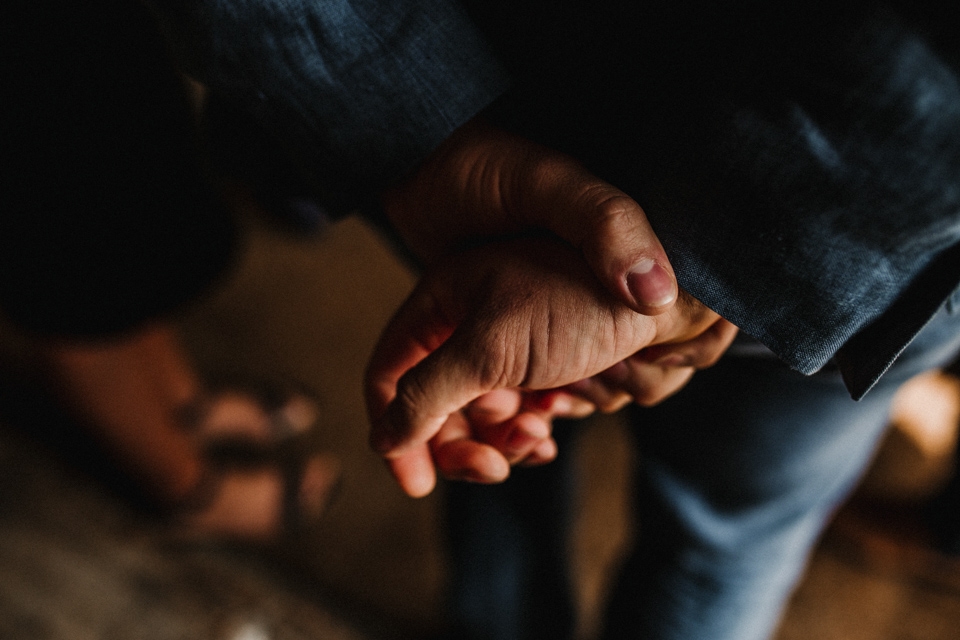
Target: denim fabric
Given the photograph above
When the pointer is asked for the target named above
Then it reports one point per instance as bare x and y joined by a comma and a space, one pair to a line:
739, 473
510, 541
358, 91
735, 478
801, 165
826, 204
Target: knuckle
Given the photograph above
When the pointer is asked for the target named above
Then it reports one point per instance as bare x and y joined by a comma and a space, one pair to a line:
411, 398
612, 213
615, 205
495, 365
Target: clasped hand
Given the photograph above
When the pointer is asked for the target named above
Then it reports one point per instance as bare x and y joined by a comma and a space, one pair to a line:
447, 382
496, 342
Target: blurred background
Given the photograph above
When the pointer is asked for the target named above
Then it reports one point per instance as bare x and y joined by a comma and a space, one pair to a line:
82, 557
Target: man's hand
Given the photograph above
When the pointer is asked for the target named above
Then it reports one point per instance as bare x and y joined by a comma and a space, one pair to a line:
525, 314
655, 373
518, 426
485, 183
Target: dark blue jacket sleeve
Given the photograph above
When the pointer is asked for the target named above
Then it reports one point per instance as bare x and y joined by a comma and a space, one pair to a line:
359, 91
821, 208
800, 162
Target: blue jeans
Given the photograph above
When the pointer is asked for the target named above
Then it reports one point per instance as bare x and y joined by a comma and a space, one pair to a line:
736, 478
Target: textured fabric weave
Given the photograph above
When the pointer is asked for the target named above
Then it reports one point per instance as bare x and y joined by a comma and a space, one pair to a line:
359, 91
801, 164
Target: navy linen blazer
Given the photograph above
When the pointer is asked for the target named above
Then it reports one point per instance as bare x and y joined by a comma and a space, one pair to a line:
800, 163
359, 91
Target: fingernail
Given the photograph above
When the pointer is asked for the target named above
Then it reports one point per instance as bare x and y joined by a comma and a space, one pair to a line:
650, 284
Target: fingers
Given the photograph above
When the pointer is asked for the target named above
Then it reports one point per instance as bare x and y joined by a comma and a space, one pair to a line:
650, 384
498, 183
402, 429
700, 352
656, 373
544, 452
500, 419
427, 395
478, 444
482, 442
632, 380
517, 437
504, 427
606, 397
414, 471
471, 461
418, 376
622, 249
456, 453
466, 459
415, 330
558, 403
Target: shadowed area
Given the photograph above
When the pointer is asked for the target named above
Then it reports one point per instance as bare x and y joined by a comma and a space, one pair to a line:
82, 557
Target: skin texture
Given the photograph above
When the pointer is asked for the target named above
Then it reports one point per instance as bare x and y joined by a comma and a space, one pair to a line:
532, 336
484, 183
511, 317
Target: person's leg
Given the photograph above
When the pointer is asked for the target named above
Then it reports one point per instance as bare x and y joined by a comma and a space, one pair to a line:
509, 552
738, 475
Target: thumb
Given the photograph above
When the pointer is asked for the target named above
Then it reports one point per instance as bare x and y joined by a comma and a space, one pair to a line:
609, 227
625, 253
425, 367
402, 420
428, 393
618, 243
